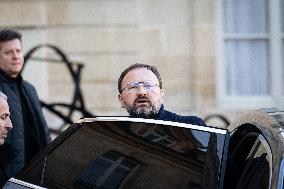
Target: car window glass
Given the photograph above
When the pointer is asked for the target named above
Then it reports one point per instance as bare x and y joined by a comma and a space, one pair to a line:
123, 154
107, 171
257, 166
33, 172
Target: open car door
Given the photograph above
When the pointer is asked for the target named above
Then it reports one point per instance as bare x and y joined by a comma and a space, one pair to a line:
257, 150
122, 152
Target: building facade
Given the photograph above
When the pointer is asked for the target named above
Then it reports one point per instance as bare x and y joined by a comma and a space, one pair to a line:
215, 56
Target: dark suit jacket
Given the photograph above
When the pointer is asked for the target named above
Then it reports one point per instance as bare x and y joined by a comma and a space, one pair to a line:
170, 116
7, 154
30, 130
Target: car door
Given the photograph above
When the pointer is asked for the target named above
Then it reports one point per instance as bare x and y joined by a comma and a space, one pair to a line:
118, 152
256, 149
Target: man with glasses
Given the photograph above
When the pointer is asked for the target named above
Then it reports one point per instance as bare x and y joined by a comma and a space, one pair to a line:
141, 93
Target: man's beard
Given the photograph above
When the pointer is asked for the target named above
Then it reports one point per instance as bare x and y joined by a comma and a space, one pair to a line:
150, 111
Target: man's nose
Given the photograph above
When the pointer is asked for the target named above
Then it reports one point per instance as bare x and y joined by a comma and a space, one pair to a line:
141, 90
16, 54
9, 125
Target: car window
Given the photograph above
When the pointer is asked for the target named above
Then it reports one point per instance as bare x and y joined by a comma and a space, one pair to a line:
107, 171
33, 173
127, 154
253, 157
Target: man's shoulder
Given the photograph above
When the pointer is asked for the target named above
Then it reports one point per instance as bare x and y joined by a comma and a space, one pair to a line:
171, 116
5, 81
29, 87
28, 84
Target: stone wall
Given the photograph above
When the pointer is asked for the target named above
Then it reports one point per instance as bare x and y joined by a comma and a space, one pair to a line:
177, 36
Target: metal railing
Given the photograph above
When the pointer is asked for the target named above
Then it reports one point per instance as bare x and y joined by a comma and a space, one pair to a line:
77, 104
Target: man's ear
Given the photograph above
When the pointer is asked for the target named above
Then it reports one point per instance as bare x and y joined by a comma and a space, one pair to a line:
162, 95
122, 104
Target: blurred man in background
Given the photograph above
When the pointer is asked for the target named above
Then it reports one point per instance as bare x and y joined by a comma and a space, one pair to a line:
30, 133
6, 152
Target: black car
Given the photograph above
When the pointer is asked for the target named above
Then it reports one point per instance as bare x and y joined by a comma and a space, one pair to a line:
257, 147
122, 152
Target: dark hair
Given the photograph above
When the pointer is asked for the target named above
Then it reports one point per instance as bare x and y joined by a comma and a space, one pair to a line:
135, 66
8, 35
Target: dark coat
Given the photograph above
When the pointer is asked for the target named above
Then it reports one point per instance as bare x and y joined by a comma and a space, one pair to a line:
27, 133
170, 116
7, 153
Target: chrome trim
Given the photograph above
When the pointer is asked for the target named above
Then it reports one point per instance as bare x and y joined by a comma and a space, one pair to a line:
281, 175
276, 113
282, 132
22, 183
185, 125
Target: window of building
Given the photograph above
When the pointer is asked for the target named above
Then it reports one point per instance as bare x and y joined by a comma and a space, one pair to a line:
155, 134
159, 137
251, 53
108, 171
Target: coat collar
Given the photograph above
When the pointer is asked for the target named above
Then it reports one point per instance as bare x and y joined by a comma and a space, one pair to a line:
5, 78
161, 113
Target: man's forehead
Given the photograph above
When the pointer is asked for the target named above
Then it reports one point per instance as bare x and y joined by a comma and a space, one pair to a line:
140, 72
4, 105
11, 43
140, 75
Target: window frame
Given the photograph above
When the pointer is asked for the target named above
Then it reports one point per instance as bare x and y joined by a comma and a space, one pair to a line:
158, 137
276, 75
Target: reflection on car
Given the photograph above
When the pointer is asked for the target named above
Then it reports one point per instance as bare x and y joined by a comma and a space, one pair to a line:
107, 152
257, 147
122, 152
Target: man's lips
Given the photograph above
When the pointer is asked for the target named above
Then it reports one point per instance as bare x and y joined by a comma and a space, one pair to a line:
5, 133
16, 64
142, 101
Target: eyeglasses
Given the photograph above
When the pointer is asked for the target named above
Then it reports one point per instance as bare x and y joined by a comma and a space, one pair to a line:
133, 87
